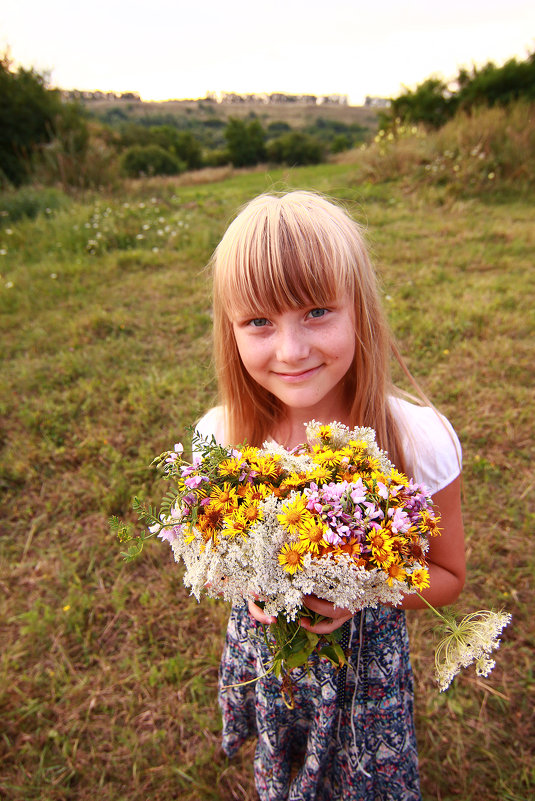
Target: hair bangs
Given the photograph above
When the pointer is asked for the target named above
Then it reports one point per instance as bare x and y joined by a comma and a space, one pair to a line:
277, 258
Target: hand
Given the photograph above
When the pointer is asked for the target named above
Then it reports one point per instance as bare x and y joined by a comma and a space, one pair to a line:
336, 615
258, 614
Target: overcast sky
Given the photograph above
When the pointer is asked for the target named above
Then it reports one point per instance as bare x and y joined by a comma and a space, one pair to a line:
166, 49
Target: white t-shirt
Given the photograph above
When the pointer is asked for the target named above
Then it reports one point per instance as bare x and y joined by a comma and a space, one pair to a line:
431, 446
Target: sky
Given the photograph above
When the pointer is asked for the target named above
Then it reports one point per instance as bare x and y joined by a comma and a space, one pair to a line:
167, 49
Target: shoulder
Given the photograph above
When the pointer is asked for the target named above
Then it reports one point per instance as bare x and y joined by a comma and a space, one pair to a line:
212, 424
430, 444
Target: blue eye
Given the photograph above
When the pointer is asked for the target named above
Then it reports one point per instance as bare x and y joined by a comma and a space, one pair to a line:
315, 313
258, 322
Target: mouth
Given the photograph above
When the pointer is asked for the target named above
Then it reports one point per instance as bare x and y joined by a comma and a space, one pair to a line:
294, 378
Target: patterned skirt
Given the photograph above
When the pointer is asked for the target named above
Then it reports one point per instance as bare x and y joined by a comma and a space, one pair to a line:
357, 745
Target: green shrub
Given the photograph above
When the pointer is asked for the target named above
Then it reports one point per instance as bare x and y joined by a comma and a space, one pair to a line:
140, 160
245, 142
28, 201
295, 148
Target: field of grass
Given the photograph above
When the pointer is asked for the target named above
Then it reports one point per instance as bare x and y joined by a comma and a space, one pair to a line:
108, 670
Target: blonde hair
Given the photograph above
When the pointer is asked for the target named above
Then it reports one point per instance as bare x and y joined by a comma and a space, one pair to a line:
284, 252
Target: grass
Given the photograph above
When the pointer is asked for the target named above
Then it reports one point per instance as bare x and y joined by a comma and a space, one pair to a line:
108, 671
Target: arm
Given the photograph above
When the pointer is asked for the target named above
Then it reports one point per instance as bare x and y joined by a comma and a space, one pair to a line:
446, 558
446, 561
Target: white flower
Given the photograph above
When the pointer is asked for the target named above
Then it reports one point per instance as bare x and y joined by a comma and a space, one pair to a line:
469, 641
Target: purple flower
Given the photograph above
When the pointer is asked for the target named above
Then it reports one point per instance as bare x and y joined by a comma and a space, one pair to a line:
171, 534
193, 481
358, 493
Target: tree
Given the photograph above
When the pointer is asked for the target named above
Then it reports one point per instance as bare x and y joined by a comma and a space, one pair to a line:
28, 115
245, 142
141, 160
430, 103
295, 148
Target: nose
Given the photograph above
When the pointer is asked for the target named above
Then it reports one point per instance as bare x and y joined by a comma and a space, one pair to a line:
292, 344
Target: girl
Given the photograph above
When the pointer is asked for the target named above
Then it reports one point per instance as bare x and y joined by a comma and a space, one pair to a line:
300, 335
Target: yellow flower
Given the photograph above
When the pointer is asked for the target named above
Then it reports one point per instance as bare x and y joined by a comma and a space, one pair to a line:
399, 478
256, 492
224, 498
251, 512
235, 526
420, 579
327, 457
210, 521
291, 556
294, 481
325, 432
313, 535
249, 452
294, 516
395, 572
230, 467
267, 467
320, 474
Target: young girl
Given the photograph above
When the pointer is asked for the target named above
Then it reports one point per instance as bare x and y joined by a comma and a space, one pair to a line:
300, 335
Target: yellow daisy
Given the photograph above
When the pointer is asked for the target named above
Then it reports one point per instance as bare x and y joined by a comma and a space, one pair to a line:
395, 572
235, 527
251, 512
256, 492
230, 467
291, 556
313, 535
267, 467
295, 516
224, 498
420, 579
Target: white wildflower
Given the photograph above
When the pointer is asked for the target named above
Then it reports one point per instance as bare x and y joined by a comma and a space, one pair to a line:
471, 640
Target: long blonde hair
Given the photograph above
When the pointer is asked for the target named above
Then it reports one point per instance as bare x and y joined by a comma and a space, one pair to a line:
284, 252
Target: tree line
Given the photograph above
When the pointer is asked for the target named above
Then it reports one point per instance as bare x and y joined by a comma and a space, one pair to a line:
434, 102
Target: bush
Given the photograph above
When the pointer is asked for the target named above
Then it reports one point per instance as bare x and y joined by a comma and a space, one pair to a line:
27, 116
482, 152
16, 204
141, 160
295, 148
245, 142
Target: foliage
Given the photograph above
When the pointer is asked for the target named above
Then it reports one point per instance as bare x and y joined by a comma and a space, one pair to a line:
430, 103
28, 202
245, 142
27, 118
295, 148
141, 160
433, 102
487, 151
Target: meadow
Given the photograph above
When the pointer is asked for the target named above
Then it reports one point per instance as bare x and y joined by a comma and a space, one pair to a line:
108, 670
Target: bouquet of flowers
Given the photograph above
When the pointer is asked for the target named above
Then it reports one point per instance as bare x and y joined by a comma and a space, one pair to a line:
332, 517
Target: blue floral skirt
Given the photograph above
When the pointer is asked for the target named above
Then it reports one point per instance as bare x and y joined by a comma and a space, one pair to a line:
359, 747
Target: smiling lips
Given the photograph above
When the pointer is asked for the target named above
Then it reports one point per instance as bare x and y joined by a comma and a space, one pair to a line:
292, 378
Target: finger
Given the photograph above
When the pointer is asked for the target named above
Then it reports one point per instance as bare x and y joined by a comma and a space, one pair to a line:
325, 608
325, 626
260, 615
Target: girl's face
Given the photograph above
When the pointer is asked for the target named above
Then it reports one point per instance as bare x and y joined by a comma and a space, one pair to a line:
301, 356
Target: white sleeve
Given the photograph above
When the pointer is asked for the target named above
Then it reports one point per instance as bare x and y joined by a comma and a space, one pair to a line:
212, 424
431, 446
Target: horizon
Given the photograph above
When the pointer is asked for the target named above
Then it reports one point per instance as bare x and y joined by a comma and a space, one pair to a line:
180, 54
